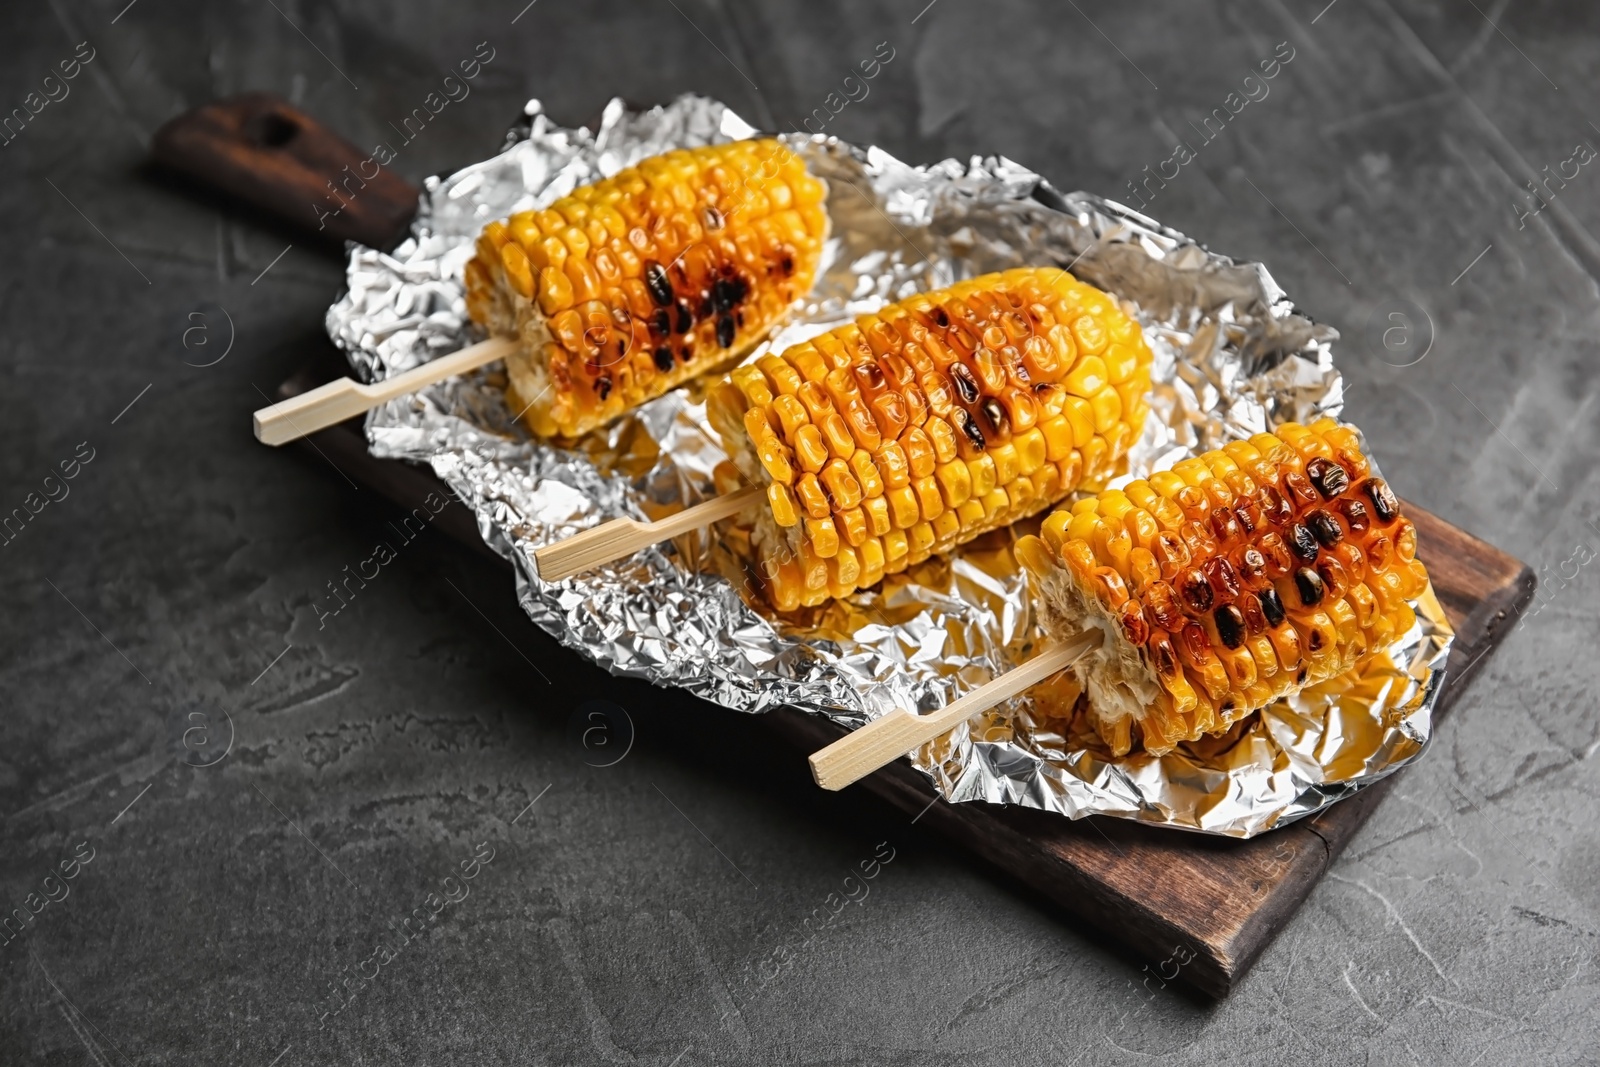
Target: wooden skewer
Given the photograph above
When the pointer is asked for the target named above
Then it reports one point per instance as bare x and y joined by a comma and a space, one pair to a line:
621, 538
334, 402
884, 740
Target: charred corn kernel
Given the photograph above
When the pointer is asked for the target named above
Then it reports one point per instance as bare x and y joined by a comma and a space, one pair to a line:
936, 419
670, 255
784, 510
1217, 609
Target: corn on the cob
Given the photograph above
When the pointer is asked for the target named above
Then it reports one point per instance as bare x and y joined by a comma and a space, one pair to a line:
628, 287
934, 420
1238, 577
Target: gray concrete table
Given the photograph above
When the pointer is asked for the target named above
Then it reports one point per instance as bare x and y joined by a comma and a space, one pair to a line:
651, 912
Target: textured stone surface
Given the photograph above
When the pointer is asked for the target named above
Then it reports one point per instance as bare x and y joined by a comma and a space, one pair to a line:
651, 912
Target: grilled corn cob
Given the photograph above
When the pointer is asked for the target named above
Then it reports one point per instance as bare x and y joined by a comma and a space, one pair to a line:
1238, 577
928, 423
630, 286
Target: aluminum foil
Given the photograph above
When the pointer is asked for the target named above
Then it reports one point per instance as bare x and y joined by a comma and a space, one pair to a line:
1232, 357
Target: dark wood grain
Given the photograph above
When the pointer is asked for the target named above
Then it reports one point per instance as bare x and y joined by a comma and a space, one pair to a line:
262, 150
1152, 893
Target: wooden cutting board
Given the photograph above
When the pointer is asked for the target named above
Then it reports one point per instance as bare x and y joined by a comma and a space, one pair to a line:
1210, 904
1194, 909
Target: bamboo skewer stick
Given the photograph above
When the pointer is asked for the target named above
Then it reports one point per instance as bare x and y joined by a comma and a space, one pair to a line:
886, 739
621, 538
326, 405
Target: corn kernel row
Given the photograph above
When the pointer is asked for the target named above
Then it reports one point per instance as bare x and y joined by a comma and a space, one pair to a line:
628, 287
933, 420
1238, 577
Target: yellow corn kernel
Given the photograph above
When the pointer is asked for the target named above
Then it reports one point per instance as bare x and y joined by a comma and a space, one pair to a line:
943, 438
810, 449
1031, 450
996, 506
1057, 438
955, 482
872, 562
812, 499
1054, 529
840, 485
518, 270
866, 473
946, 527
877, 511
782, 502
1107, 407
1087, 378
903, 506
791, 416
892, 465
822, 537
929, 502
1080, 416
852, 525
1005, 464
844, 569
896, 551
555, 291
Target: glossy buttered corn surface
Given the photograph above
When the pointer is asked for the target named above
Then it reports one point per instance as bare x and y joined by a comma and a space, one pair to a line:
1236, 578
630, 286
934, 420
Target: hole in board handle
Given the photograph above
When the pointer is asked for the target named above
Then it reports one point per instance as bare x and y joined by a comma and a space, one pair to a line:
273, 129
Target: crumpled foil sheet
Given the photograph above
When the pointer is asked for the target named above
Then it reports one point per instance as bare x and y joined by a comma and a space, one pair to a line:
1233, 357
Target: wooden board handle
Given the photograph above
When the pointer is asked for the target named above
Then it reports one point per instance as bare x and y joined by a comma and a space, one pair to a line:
621, 538
886, 739
346, 398
261, 149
